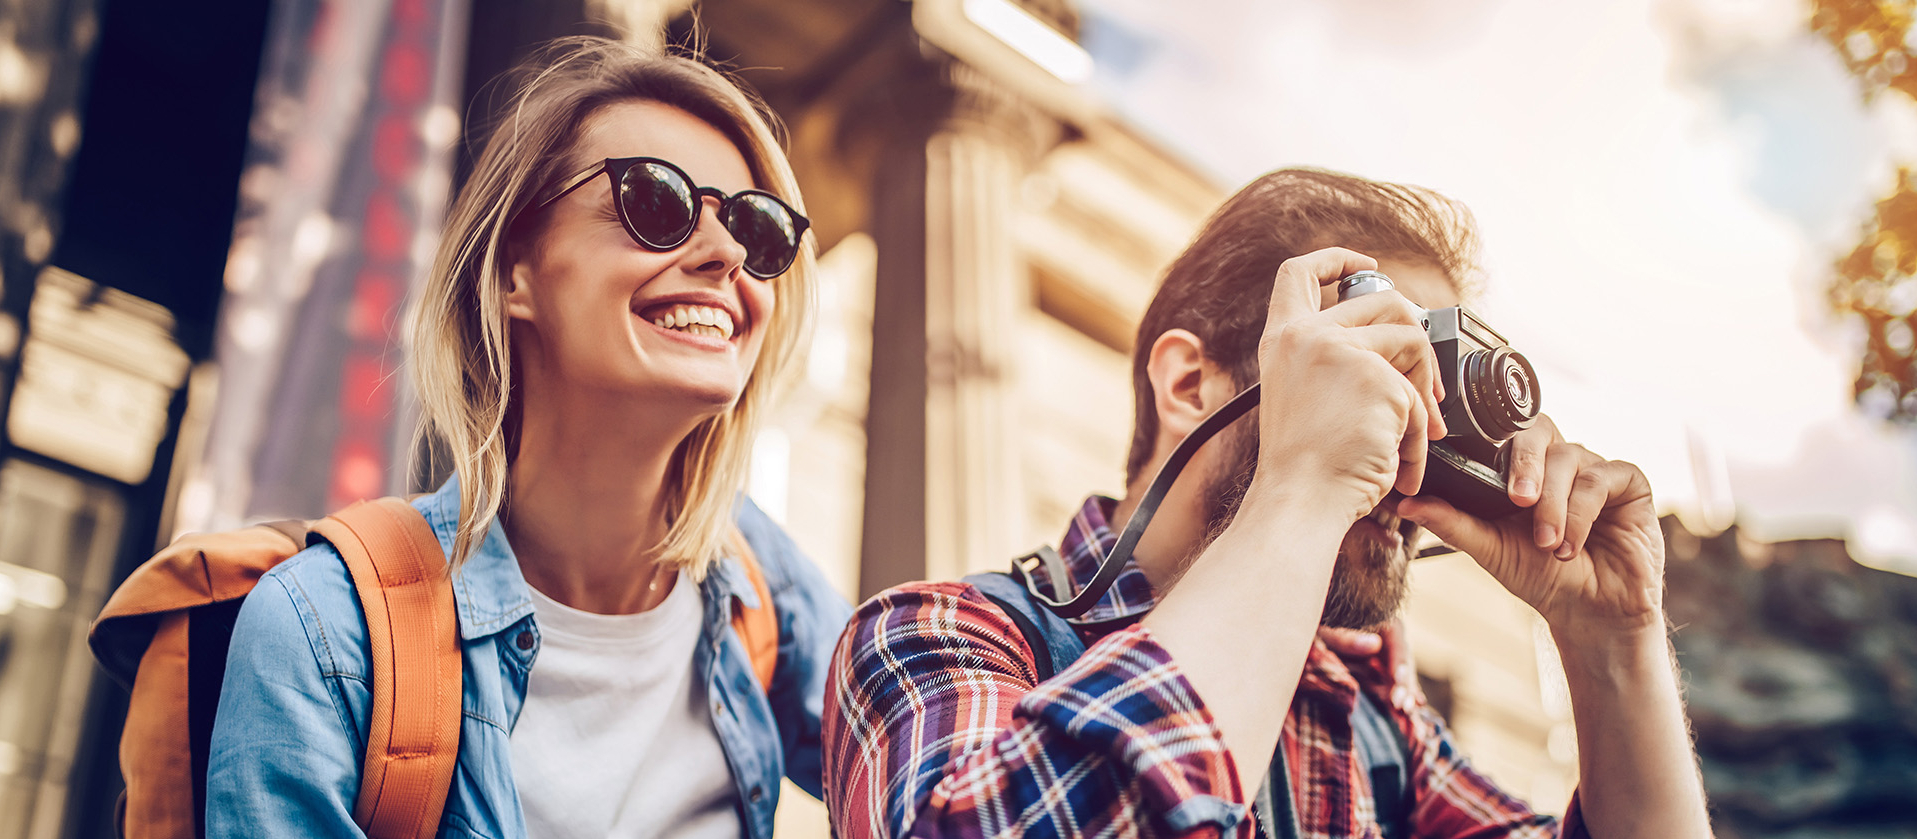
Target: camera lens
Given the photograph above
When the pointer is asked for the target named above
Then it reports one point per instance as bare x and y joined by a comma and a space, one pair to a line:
1500, 391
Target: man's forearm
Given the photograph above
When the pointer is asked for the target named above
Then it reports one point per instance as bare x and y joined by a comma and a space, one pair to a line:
1240, 621
1638, 771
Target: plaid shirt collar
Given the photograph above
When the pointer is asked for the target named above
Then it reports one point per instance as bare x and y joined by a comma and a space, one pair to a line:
1091, 537
1088, 540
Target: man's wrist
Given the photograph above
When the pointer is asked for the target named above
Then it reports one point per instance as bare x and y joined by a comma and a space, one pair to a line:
1298, 501
1272, 521
1615, 657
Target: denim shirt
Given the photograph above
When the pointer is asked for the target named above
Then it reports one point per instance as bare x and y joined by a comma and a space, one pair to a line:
290, 735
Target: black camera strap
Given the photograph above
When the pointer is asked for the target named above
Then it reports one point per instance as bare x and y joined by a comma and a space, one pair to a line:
1114, 563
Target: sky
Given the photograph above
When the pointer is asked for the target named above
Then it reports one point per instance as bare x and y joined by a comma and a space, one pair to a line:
1661, 186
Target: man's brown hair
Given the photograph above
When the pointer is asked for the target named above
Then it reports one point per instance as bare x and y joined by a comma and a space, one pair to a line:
1220, 287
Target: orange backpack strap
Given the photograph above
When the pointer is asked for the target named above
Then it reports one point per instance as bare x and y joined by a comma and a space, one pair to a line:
757, 626
141, 639
412, 740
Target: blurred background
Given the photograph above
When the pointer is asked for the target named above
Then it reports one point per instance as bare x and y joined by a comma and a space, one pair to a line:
1700, 219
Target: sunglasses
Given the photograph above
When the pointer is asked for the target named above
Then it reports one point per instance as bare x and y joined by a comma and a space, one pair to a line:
660, 206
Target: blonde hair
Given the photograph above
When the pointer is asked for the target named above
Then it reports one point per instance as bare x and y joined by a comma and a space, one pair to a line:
457, 329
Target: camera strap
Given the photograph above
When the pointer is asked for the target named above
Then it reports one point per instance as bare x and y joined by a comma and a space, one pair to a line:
1114, 563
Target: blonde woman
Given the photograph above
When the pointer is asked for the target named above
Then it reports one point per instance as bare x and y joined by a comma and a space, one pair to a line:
621, 287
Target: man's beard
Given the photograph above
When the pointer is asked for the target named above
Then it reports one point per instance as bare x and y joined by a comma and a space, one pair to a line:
1368, 580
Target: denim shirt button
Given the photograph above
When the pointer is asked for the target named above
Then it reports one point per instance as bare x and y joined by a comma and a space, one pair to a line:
525, 639
718, 708
758, 792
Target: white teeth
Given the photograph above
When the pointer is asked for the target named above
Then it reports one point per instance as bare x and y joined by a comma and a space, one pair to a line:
697, 320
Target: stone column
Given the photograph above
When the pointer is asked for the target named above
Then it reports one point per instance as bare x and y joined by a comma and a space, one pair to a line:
943, 484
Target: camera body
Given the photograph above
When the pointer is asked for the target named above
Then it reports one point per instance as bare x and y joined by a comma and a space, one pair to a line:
1490, 394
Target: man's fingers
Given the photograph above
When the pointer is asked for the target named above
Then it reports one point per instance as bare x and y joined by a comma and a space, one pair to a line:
1562, 461
1526, 473
1377, 307
1459, 530
1527, 465
1388, 307
1404, 675
1397, 645
1408, 351
1351, 643
1294, 292
1597, 487
1412, 449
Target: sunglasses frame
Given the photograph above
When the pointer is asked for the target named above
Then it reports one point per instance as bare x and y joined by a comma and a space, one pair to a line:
616, 168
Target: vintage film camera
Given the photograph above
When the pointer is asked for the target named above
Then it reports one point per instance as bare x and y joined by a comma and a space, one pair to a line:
1490, 394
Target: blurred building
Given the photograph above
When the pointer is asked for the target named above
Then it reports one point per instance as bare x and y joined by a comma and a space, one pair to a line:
1800, 670
216, 215
120, 138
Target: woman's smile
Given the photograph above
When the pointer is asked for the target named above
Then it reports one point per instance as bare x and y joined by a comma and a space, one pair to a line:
700, 319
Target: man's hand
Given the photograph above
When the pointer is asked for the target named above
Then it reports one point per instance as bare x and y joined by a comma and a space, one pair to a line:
1350, 393
1589, 557
1391, 641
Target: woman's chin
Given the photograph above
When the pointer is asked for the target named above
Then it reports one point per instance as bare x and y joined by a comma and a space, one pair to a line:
700, 399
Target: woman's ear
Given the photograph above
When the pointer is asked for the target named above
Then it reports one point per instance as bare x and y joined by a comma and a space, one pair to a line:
519, 296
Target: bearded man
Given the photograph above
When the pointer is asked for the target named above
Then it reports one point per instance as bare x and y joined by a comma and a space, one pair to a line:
1197, 699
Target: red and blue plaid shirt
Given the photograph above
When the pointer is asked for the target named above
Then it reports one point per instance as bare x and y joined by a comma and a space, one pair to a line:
936, 726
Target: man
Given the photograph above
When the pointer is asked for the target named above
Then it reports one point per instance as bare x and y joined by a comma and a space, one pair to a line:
1203, 652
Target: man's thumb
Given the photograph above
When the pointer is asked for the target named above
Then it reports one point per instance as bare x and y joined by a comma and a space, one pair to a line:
1459, 530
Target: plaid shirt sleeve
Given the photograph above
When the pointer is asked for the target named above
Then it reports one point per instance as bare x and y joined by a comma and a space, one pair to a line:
935, 728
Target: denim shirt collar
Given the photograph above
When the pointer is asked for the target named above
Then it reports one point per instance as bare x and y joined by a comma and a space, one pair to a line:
491, 591
728, 579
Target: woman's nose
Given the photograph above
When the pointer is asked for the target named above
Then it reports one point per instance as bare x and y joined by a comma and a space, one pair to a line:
712, 248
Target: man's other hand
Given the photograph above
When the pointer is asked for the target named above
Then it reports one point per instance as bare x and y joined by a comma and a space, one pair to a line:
1589, 556
1389, 640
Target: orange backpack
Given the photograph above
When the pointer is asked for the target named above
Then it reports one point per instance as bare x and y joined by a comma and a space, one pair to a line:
165, 631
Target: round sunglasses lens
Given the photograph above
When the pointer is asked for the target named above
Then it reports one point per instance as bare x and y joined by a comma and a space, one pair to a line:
768, 233
658, 205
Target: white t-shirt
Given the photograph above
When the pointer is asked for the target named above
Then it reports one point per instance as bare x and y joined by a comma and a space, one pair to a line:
615, 739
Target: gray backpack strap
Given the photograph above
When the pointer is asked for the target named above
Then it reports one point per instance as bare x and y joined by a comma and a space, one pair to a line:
1274, 823
1053, 641
1382, 747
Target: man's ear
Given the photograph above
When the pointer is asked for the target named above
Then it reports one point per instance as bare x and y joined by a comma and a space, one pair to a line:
1183, 383
519, 296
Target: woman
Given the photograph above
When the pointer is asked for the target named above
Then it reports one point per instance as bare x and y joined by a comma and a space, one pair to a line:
621, 287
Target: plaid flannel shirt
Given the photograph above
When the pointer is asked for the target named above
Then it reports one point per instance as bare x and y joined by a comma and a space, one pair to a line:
936, 726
